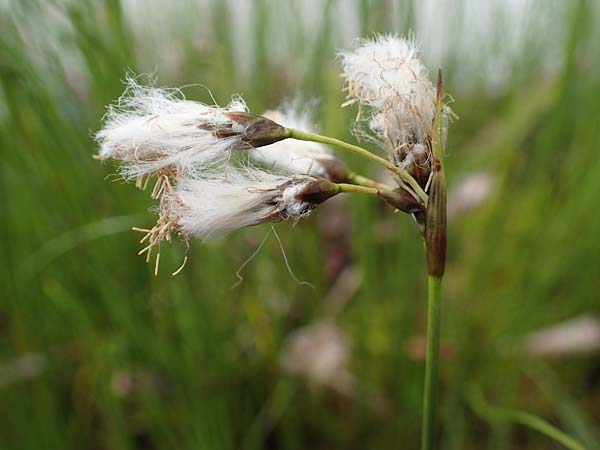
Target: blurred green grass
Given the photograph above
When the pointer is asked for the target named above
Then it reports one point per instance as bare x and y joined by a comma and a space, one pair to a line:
129, 360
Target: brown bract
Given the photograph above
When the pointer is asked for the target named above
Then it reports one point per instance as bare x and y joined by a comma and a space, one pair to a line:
435, 224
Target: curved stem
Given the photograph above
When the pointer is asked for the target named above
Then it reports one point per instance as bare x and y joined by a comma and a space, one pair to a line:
431, 362
403, 174
491, 413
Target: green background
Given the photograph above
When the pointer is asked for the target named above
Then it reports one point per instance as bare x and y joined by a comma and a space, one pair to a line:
98, 353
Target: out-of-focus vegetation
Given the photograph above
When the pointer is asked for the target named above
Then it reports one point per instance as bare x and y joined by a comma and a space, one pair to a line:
96, 352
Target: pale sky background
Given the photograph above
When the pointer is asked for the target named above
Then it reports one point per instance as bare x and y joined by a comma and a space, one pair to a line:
483, 40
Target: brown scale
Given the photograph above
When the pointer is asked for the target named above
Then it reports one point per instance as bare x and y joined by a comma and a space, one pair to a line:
258, 130
312, 193
419, 166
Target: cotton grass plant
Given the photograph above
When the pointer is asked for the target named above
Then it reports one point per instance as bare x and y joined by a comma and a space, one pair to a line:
219, 169
215, 169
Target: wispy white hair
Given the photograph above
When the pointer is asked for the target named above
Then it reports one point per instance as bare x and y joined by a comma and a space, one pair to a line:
385, 75
208, 208
149, 129
291, 155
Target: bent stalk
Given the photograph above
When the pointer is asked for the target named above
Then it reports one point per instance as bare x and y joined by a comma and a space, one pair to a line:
421, 196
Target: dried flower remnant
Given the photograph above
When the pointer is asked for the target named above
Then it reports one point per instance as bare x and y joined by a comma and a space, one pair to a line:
156, 131
469, 193
24, 367
320, 353
571, 337
295, 156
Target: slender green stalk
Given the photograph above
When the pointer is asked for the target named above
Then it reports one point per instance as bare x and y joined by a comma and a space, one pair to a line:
345, 187
493, 414
355, 178
421, 196
320, 189
431, 362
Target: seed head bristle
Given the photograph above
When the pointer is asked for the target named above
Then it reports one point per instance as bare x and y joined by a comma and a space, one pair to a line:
166, 224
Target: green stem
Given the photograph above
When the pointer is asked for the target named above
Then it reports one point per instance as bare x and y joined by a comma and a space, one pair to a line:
421, 196
491, 413
344, 187
355, 178
431, 362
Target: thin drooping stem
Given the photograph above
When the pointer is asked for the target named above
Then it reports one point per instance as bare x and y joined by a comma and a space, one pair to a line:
493, 414
421, 196
431, 363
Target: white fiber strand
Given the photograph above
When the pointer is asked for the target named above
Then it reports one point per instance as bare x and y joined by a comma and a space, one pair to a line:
208, 208
390, 83
150, 129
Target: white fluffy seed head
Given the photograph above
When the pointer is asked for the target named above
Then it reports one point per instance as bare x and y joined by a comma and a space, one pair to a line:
211, 207
293, 156
387, 79
149, 129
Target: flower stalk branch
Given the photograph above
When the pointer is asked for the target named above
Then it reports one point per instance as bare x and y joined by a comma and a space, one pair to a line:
420, 194
355, 178
345, 187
